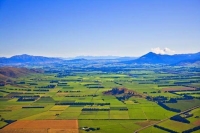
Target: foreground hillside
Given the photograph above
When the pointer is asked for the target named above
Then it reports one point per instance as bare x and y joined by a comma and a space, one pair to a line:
13, 72
28, 59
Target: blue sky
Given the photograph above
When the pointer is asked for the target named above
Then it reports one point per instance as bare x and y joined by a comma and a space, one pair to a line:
68, 28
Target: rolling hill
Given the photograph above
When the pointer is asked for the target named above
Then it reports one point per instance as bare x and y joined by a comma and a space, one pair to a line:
7, 73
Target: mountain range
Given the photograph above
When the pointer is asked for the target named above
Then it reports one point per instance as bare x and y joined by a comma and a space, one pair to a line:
28, 59
153, 58
149, 58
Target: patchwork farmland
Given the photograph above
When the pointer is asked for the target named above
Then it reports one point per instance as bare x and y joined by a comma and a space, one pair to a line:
100, 100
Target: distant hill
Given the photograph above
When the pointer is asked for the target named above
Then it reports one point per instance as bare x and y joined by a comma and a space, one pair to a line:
101, 58
96, 57
152, 58
149, 58
77, 60
7, 73
193, 62
40, 59
28, 59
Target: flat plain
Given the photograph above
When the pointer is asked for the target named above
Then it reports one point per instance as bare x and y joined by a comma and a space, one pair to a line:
99, 101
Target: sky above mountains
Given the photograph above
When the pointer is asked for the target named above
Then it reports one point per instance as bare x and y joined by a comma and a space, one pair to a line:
64, 28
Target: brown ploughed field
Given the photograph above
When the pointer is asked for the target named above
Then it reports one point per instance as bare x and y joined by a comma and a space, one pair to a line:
42, 126
179, 89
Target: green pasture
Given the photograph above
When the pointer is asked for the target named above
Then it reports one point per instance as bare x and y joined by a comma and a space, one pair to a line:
176, 126
184, 104
108, 126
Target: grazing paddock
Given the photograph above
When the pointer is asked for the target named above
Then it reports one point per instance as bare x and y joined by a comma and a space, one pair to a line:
184, 104
42, 126
59, 108
145, 123
176, 126
62, 94
110, 126
153, 130
179, 89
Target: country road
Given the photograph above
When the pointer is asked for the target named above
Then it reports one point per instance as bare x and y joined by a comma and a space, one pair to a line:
166, 119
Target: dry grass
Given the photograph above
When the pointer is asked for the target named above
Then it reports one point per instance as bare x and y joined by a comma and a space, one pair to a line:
42, 126
197, 123
145, 123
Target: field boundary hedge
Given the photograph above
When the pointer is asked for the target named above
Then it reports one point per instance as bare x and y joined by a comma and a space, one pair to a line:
192, 129
165, 129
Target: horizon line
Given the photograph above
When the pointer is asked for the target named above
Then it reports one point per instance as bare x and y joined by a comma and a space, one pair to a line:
95, 55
